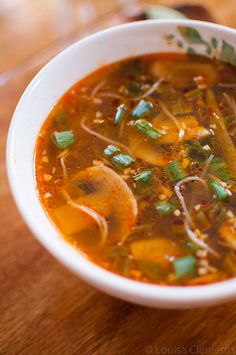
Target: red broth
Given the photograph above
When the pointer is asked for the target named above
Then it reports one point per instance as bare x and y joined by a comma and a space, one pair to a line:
136, 167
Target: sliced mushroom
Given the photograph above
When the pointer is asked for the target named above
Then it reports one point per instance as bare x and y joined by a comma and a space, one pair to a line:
148, 150
192, 129
102, 190
158, 250
183, 73
228, 232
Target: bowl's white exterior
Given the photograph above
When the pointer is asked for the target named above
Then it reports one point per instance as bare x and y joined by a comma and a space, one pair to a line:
43, 92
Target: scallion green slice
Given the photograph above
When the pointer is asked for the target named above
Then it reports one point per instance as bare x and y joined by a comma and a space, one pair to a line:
185, 266
164, 207
144, 178
220, 191
147, 128
111, 150
64, 139
121, 161
173, 171
142, 108
119, 114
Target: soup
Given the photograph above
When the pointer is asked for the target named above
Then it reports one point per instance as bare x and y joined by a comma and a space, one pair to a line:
136, 167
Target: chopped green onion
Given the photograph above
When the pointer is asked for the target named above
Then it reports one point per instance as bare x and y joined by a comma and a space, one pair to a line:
164, 207
119, 114
111, 150
64, 139
142, 108
185, 266
147, 128
144, 178
220, 191
173, 171
122, 160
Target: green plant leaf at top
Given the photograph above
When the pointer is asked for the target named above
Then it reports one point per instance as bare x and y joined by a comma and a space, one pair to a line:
191, 35
227, 53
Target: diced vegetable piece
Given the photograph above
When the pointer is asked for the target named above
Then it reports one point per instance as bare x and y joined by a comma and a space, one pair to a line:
220, 191
148, 151
192, 129
185, 266
111, 150
70, 220
227, 232
147, 128
157, 250
121, 161
64, 139
173, 171
219, 168
142, 108
144, 178
119, 114
164, 207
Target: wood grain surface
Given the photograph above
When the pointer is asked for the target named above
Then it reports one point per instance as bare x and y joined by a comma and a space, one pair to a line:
44, 309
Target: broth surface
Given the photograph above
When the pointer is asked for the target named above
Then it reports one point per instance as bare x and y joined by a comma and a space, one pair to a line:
136, 167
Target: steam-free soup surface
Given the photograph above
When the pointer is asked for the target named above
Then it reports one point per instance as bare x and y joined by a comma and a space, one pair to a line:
136, 167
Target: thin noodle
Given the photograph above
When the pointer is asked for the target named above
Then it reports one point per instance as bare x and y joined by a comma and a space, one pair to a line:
103, 138
198, 241
101, 221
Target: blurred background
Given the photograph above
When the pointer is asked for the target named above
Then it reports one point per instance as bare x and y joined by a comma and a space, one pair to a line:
28, 27
44, 308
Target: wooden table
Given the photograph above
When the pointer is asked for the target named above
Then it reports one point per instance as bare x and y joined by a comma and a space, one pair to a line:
44, 309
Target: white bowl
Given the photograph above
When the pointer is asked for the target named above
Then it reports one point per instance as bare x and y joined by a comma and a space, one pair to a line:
37, 101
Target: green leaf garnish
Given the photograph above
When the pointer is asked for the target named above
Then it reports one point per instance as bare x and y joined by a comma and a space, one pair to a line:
64, 139
142, 108
173, 171
111, 150
121, 161
147, 128
119, 114
220, 191
185, 266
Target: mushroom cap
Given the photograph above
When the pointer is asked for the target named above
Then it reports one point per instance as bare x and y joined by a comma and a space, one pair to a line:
104, 191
